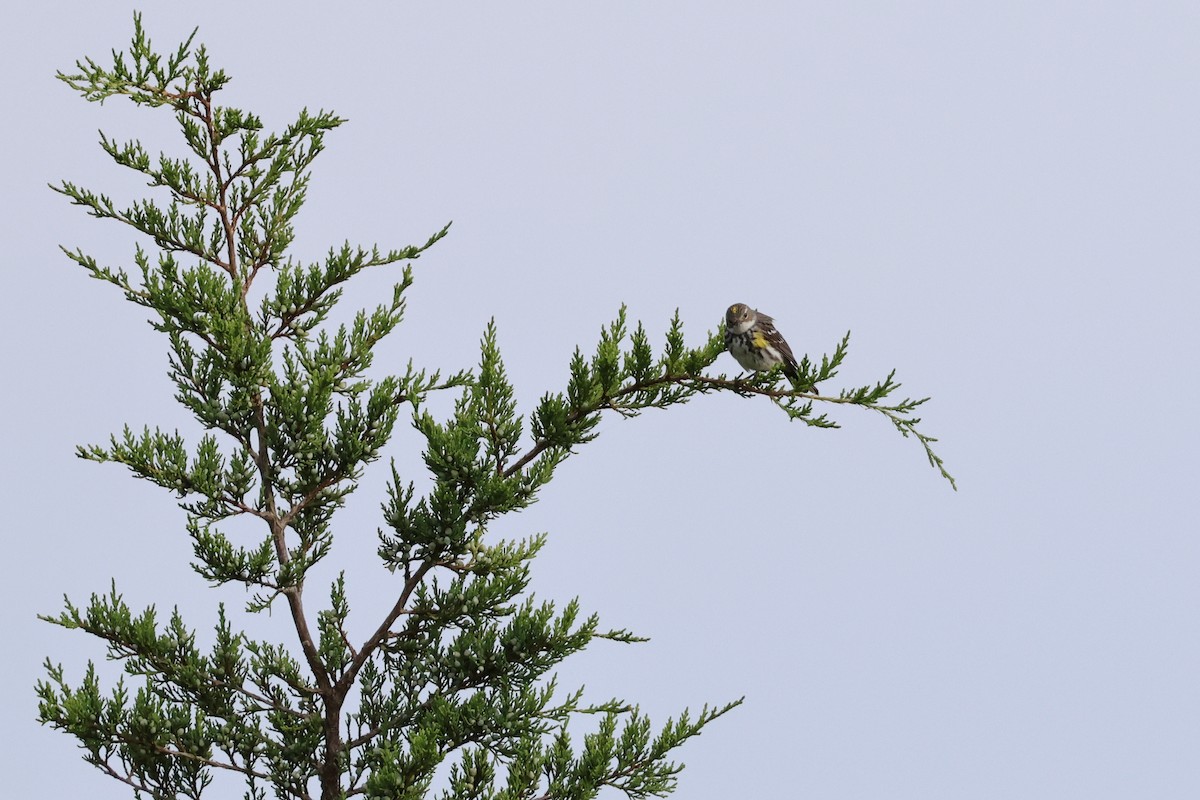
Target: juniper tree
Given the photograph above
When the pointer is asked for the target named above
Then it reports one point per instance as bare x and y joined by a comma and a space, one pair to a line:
456, 669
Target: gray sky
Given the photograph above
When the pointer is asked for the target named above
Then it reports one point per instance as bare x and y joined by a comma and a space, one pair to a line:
1001, 203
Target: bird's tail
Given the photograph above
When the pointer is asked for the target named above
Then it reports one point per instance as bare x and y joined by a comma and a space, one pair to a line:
793, 374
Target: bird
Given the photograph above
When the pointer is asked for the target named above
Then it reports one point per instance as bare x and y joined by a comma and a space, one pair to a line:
751, 338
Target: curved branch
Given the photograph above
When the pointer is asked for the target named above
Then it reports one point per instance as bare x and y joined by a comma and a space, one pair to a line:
698, 383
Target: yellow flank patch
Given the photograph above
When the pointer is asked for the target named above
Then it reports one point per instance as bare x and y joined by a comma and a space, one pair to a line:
759, 340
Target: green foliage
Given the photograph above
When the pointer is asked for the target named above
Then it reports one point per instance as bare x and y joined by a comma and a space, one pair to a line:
458, 669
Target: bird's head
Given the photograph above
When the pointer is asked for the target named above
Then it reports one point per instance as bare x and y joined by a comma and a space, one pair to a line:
739, 318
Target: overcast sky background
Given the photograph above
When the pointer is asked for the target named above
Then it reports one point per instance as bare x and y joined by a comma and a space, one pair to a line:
1001, 202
